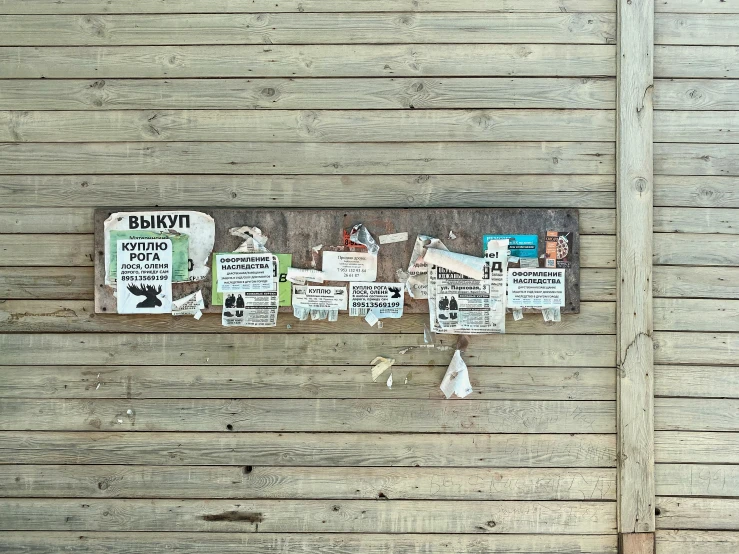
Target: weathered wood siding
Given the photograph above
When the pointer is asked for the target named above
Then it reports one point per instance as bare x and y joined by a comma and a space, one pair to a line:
696, 321
124, 434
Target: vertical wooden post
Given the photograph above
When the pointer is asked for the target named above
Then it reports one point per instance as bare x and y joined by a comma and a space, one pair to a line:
634, 323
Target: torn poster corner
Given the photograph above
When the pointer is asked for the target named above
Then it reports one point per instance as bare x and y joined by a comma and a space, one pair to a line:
361, 235
469, 266
416, 279
452, 235
192, 304
254, 240
457, 378
300, 276
380, 366
390, 381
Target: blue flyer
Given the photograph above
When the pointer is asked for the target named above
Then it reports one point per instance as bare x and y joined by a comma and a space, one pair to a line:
523, 246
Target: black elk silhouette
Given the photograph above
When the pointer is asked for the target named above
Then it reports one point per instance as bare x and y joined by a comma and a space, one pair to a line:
395, 291
151, 293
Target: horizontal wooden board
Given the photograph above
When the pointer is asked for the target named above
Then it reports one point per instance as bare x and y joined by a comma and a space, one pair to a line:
695, 126
696, 542
694, 29
695, 348
696, 414
489, 383
76, 283
696, 159
46, 250
370, 483
51, 282
689, 314
80, 220
309, 94
696, 191
493, 60
686, 447
308, 449
696, 220
319, 28
696, 6
695, 480
328, 516
308, 125
324, 415
306, 543
697, 381
688, 94
696, 282
330, 191
696, 62
300, 6
310, 158
696, 249
317, 349
43, 316
697, 513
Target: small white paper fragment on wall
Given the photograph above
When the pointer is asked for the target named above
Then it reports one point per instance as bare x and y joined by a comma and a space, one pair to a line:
361, 235
349, 266
144, 270
394, 237
371, 318
457, 378
301, 276
469, 266
390, 381
380, 366
254, 240
517, 314
189, 305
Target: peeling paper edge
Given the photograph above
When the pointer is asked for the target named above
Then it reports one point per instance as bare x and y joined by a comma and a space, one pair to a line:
469, 266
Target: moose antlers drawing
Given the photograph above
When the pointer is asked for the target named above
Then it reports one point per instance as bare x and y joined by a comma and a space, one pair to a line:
151, 293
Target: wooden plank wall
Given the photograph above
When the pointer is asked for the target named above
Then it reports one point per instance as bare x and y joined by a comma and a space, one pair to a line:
128, 434
696, 242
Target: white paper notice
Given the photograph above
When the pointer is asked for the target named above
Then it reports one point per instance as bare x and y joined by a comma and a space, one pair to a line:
188, 305
250, 286
320, 298
144, 276
199, 228
246, 272
349, 266
457, 378
395, 237
536, 288
383, 299
460, 305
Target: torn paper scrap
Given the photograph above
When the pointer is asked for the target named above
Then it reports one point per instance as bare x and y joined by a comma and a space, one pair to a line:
349, 266
536, 288
469, 266
394, 237
384, 299
457, 378
254, 240
390, 381
452, 235
144, 276
189, 305
200, 229
381, 365
417, 278
315, 254
371, 318
361, 235
552, 314
517, 314
301, 276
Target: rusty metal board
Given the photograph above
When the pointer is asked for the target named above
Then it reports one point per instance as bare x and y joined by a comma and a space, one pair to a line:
296, 231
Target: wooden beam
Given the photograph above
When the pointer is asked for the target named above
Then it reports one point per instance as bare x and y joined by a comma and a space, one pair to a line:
637, 543
634, 197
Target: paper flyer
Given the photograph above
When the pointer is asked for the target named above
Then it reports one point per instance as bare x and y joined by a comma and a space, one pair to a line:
521, 246
418, 269
199, 228
250, 308
536, 288
188, 305
349, 266
144, 270
249, 283
559, 249
383, 299
284, 286
319, 302
461, 305
179, 252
